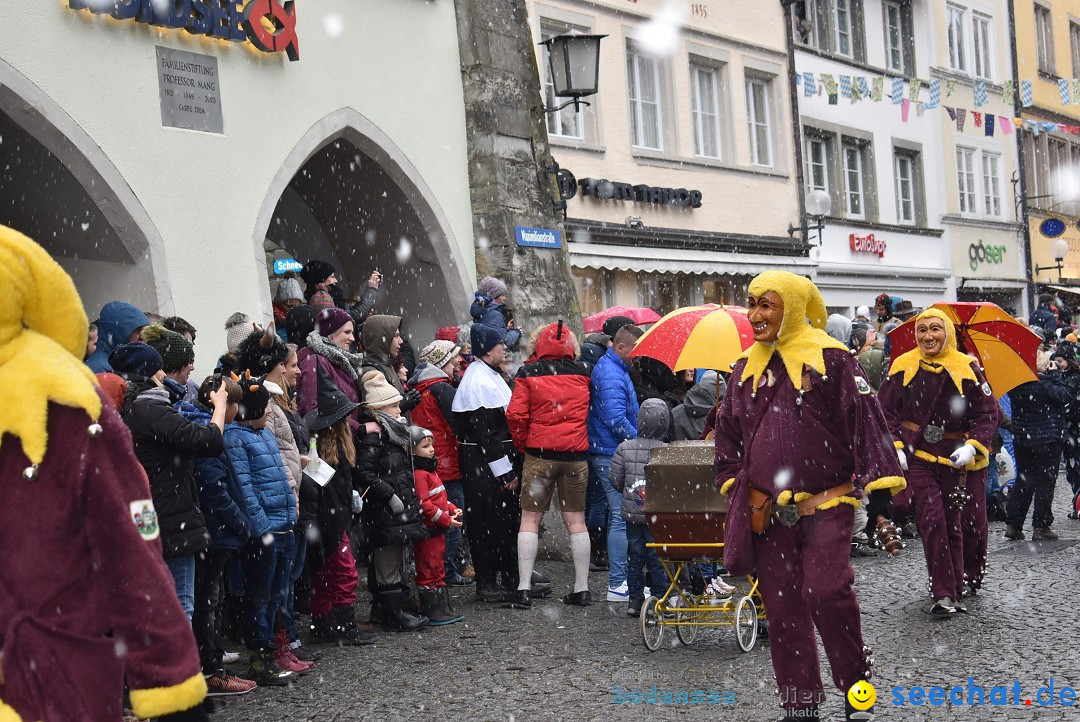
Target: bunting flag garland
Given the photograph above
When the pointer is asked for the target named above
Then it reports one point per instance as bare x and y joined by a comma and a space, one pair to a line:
862, 86
1027, 98
1007, 90
920, 108
829, 82
897, 91
1064, 91
961, 117
1076, 90
978, 118
1006, 125
989, 128
845, 86
950, 88
935, 95
914, 89
979, 92
809, 85
905, 109
878, 91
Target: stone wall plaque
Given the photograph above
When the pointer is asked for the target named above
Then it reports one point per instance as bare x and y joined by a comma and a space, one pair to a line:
190, 90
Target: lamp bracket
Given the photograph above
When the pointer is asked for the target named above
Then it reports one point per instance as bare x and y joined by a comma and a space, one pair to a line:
576, 102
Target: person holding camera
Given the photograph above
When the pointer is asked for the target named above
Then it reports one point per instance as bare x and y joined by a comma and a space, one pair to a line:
490, 309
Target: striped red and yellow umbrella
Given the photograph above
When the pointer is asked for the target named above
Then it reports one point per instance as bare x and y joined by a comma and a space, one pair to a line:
698, 337
1006, 349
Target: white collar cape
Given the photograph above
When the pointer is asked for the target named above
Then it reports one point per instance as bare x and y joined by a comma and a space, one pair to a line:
481, 388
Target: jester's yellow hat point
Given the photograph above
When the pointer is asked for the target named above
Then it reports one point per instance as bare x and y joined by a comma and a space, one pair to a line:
42, 341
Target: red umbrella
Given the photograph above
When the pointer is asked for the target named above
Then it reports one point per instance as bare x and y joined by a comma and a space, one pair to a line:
595, 323
1006, 349
698, 337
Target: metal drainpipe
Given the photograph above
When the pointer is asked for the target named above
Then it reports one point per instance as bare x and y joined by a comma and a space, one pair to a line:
796, 125
1021, 164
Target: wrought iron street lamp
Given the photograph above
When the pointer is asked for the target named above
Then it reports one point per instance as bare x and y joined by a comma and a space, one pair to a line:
574, 63
818, 205
1060, 249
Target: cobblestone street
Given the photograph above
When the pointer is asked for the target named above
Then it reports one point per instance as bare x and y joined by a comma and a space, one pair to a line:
560, 663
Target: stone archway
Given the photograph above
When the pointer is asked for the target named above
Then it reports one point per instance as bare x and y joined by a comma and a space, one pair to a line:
348, 195
59, 187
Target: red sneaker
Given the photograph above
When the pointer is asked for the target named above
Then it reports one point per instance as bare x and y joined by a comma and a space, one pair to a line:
221, 684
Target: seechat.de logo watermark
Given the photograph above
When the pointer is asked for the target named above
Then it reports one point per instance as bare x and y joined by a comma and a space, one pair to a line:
667, 695
972, 694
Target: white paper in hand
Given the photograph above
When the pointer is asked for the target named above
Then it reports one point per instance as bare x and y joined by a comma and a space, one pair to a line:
320, 472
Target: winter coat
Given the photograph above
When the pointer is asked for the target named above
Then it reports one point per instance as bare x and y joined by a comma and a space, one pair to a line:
220, 497
688, 418
330, 508
378, 334
613, 405
590, 354
1039, 410
307, 397
628, 463
360, 310
83, 577
384, 469
434, 413
254, 461
166, 444
117, 322
434, 506
653, 380
278, 423
549, 409
490, 314
1042, 317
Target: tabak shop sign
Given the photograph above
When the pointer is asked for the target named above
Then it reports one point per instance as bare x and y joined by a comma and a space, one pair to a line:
867, 244
269, 25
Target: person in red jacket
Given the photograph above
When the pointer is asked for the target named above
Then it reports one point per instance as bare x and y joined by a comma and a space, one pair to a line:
439, 515
547, 418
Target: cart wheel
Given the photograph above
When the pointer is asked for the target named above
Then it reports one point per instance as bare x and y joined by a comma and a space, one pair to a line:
746, 624
652, 628
686, 633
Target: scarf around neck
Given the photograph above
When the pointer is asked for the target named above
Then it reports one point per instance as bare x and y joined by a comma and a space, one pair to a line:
396, 429
345, 360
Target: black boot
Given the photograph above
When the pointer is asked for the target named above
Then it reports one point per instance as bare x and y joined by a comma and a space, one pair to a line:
409, 603
395, 618
447, 608
265, 671
430, 602
541, 585
520, 599
598, 561
488, 590
343, 629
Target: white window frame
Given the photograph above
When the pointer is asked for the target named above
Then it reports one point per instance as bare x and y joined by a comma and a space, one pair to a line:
902, 160
699, 114
850, 192
1044, 38
982, 46
637, 62
842, 9
557, 122
754, 122
893, 7
1074, 47
823, 144
966, 179
991, 183
955, 29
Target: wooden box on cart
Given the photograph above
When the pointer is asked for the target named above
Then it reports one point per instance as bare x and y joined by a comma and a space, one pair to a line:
682, 502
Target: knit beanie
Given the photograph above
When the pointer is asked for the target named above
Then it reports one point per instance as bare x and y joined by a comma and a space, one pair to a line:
484, 338
613, 324
448, 333
299, 323
255, 399
237, 327
438, 353
863, 311
330, 320
491, 287
418, 434
176, 351
321, 300
378, 392
288, 290
315, 272
261, 352
138, 359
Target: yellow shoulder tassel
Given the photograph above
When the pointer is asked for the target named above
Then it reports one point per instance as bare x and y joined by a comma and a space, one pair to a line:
7, 714
726, 486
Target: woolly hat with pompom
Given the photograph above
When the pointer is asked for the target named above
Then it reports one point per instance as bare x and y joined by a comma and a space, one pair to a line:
378, 392
176, 351
238, 327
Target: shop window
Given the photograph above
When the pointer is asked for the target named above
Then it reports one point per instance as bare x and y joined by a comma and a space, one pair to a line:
594, 289
1044, 39
759, 102
954, 24
645, 93
705, 104
982, 45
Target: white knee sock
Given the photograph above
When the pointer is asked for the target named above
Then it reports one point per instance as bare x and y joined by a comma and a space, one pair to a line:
528, 541
581, 549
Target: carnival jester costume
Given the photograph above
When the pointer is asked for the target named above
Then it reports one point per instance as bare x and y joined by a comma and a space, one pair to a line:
800, 426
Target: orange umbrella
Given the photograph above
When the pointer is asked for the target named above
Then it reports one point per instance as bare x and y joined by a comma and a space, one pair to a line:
1006, 349
698, 337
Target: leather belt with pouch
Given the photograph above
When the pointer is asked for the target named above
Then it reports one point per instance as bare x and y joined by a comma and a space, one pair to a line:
932, 434
763, 508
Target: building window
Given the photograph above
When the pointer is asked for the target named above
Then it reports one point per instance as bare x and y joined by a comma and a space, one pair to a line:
991, 172
842, 22
705, 110
984, 37
854, 180
965, 178
809, 21
1074, 48
905, 188
832, 26
954, 23
566, 123
1044, 39
759, 120
643, 77
817, 163
894, 37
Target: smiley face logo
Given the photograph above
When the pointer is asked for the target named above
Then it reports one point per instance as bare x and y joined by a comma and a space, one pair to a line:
862, 695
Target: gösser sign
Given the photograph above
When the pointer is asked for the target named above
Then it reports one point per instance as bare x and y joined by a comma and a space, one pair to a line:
232, 20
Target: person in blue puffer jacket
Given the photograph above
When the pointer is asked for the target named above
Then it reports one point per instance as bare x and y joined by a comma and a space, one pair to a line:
254, 463
488, 307
613, 411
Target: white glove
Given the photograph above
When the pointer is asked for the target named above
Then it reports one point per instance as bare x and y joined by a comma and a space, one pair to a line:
396, 506
962, 456
903, 459
357, 502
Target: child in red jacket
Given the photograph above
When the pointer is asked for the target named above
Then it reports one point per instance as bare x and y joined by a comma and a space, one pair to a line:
439, 515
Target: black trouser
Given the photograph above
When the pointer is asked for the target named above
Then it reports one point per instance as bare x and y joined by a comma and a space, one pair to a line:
1036, 475
206, 621
1071, 451
493, 513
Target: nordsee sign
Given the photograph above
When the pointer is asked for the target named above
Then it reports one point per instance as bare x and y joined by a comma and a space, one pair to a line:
538, 237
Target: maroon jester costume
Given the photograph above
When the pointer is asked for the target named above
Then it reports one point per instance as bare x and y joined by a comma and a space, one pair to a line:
86, 602
800, 423
941, 410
